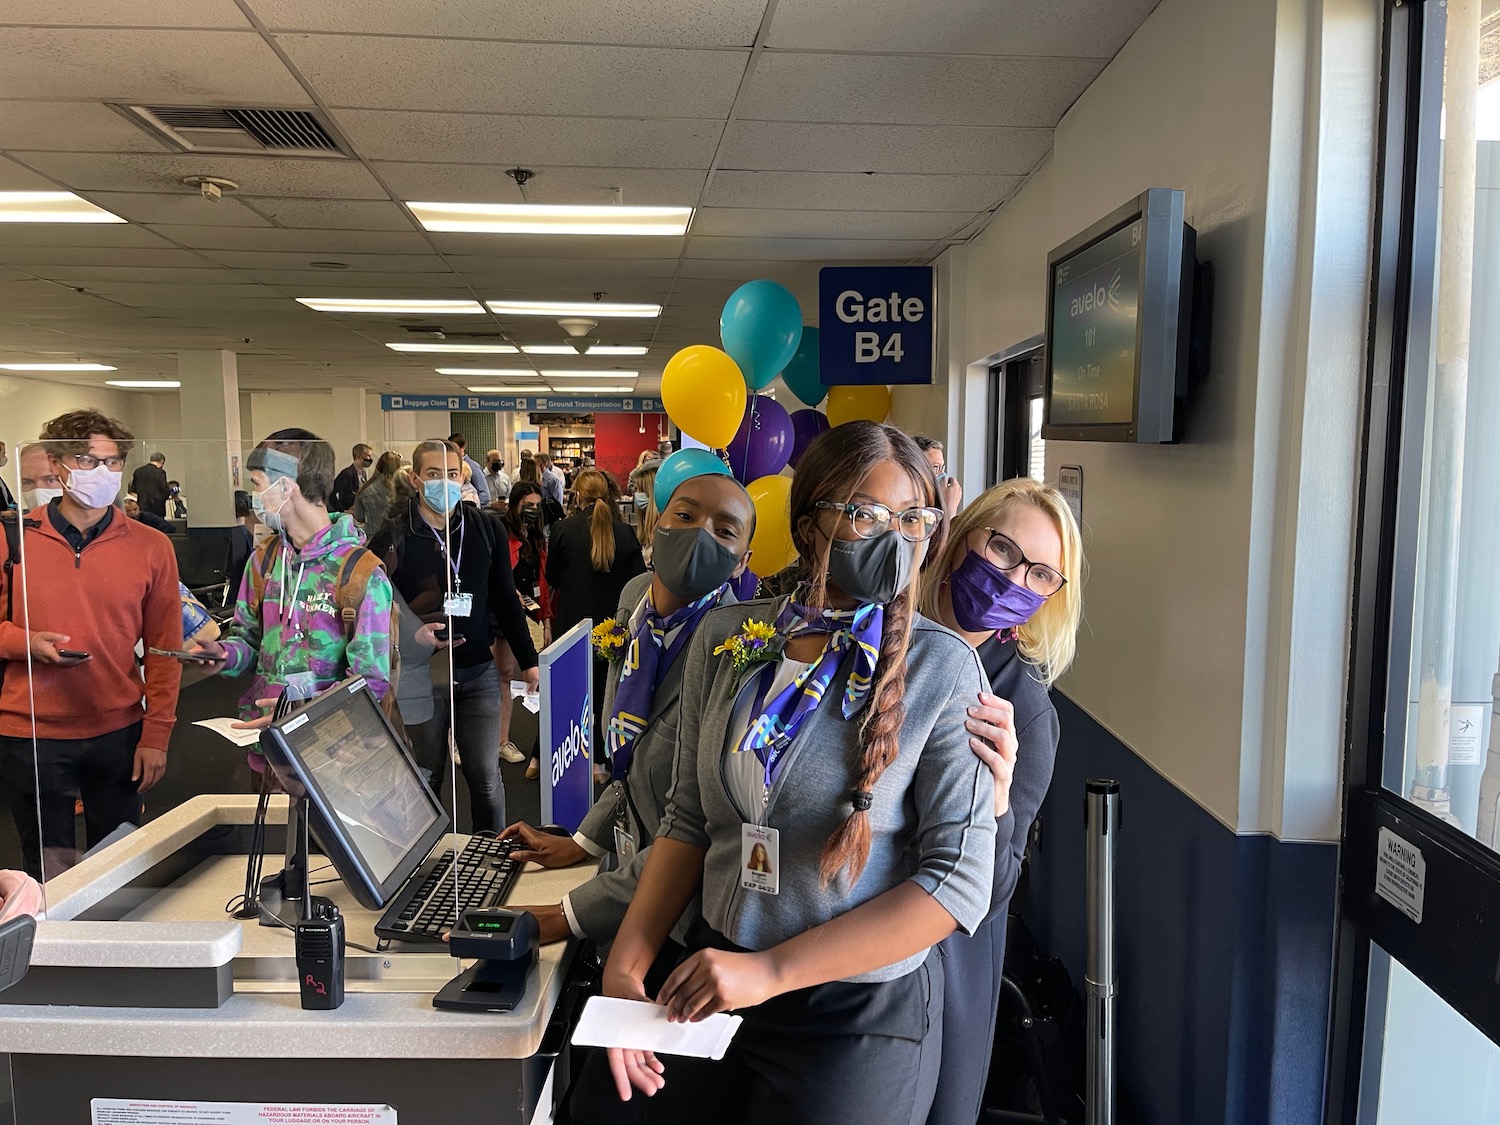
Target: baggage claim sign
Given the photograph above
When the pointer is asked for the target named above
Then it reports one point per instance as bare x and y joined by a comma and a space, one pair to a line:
580, 404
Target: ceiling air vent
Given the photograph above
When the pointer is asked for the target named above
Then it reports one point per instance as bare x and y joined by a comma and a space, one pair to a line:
244, 132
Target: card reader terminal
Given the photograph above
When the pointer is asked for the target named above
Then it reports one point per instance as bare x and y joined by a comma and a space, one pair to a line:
504, 944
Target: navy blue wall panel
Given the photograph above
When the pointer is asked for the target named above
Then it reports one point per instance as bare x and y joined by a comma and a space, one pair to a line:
1225, 944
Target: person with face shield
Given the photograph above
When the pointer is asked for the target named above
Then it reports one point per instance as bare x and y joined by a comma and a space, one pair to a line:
290, 631
702, 543
451, 564
85, 587
840, 743
40, 484
1008, 581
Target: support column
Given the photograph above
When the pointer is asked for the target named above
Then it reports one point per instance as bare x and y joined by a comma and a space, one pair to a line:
210, 398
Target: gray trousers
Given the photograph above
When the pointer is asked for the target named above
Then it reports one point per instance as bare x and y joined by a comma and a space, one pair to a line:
476, 729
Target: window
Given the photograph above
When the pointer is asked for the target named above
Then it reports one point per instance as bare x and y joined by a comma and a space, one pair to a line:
1016, 446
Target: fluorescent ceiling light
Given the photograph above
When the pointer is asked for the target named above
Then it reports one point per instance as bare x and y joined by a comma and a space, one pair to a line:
618, 349
390, 305
55, 367
573, 308
498, 372
544, 218
144, 384
615, 375
507, 390
51, 207
455, 349
595, 390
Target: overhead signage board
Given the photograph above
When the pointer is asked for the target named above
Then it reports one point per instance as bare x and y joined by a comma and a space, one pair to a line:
588, 404
567, 722
877, 325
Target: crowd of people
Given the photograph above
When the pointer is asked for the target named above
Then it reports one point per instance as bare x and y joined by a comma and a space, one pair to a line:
814, 805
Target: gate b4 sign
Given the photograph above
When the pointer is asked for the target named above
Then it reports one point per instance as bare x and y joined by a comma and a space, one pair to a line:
877, 325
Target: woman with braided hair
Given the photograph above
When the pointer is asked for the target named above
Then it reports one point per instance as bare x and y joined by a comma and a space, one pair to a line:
828, 801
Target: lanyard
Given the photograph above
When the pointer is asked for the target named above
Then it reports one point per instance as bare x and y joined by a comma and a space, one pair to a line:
289, 606
454, 563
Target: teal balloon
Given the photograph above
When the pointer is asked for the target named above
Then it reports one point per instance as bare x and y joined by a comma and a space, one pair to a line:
761, 326
684, 465
802, 373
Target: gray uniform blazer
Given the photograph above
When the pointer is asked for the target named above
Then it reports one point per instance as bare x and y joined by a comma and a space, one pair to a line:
637, 803
933, 819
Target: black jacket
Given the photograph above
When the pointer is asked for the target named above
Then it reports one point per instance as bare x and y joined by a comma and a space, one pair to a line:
578, 589
418, 568
345, 487
149, 483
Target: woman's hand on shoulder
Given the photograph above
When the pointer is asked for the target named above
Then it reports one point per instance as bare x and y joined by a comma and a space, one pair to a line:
992, 737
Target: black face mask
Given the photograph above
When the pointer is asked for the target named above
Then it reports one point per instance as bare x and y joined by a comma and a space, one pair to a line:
531, 515
690, 562
872, 571
495, 466
367, 462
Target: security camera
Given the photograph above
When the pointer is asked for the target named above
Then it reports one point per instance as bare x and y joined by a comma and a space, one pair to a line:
246, 340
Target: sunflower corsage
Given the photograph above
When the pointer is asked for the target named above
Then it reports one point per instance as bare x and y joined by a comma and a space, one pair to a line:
755, 642
610, 638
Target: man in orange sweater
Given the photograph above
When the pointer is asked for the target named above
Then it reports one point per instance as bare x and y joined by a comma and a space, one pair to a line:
95, 584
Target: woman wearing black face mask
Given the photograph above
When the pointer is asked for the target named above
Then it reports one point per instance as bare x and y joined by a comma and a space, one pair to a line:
528, 559
702, 542
845, 753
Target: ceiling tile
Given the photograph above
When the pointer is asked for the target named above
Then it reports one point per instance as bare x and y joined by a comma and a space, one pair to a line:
77, 234
1058, 28
507, 140
488, 183
517, 78
256, 175
103, 13
71, 127
551, 270
14, 177
186, 207
838, 191
305, 281
915, 90
744, 222
272, 260
163, 67
306, 243
789, 274
666, 23
829, 251
96, 276
499, 247
334, 214
926, 149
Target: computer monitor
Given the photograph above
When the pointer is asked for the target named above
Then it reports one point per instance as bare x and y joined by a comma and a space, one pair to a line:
371, 811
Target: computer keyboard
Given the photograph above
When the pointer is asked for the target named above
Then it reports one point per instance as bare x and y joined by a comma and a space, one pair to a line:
424, 908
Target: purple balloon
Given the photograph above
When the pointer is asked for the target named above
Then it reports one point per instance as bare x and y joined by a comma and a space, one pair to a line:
745, 585
763, 443
806, 425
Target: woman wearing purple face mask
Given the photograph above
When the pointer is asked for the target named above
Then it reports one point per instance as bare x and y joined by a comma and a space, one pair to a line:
1013, 567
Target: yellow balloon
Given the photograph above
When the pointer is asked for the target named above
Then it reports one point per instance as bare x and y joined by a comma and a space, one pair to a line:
854, 404
771, 547
704, 394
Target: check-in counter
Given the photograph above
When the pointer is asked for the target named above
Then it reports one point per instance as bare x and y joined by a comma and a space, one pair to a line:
144, 986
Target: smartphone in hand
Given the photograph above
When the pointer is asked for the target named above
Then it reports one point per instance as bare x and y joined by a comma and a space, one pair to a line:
72, 656
184, 654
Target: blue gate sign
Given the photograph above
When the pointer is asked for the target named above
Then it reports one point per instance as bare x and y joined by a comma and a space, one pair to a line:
876, 325
567, 722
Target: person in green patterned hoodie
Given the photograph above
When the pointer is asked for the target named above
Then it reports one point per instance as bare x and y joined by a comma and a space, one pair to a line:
288, 632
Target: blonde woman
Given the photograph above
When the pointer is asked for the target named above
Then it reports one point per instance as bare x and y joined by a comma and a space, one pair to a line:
1011, 572
590, 556
645, 506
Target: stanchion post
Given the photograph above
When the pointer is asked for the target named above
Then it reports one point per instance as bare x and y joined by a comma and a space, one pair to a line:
1102, 824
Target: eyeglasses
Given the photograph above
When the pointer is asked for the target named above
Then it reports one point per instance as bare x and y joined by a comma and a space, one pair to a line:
1040, 578
87, 461
870, 520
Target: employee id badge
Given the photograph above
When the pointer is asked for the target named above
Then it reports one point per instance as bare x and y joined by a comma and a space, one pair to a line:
624, 845
458, 605
760, 859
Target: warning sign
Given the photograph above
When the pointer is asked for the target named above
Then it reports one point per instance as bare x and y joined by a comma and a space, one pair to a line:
129, 1111
1401, 874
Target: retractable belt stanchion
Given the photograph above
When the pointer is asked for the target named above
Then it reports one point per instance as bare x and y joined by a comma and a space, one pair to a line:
1102, 823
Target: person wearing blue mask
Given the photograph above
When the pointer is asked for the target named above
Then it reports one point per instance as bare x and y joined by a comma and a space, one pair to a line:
1009, 582
452, 564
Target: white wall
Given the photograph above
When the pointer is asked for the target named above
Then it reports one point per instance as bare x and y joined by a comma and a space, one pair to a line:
337, 416
1262, 113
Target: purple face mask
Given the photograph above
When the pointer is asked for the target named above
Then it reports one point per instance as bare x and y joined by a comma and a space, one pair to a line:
985, 598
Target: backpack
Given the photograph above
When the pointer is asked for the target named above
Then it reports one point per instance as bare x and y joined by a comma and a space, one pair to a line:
358, 567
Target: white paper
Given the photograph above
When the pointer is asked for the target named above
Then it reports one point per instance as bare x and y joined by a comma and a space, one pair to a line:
530, 700
129, 1111
227, 729
608, 1022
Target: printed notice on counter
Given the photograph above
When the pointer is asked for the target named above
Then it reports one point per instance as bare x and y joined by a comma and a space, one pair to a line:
128, 1111
1401, 874
1466, 727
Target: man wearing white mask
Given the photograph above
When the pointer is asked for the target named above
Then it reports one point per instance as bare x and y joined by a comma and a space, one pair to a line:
96, 584
40, 484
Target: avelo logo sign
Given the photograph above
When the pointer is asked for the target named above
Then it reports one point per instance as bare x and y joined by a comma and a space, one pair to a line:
567, 721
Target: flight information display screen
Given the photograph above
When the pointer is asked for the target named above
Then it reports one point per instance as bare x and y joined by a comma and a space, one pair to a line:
1093, 340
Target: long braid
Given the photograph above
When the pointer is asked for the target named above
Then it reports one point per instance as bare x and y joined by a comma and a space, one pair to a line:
848, 849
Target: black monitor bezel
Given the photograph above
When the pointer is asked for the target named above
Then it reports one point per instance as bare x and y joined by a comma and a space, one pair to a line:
1161, 325
369, 890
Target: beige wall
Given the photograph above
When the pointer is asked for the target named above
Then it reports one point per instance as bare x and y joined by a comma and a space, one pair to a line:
25, 404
